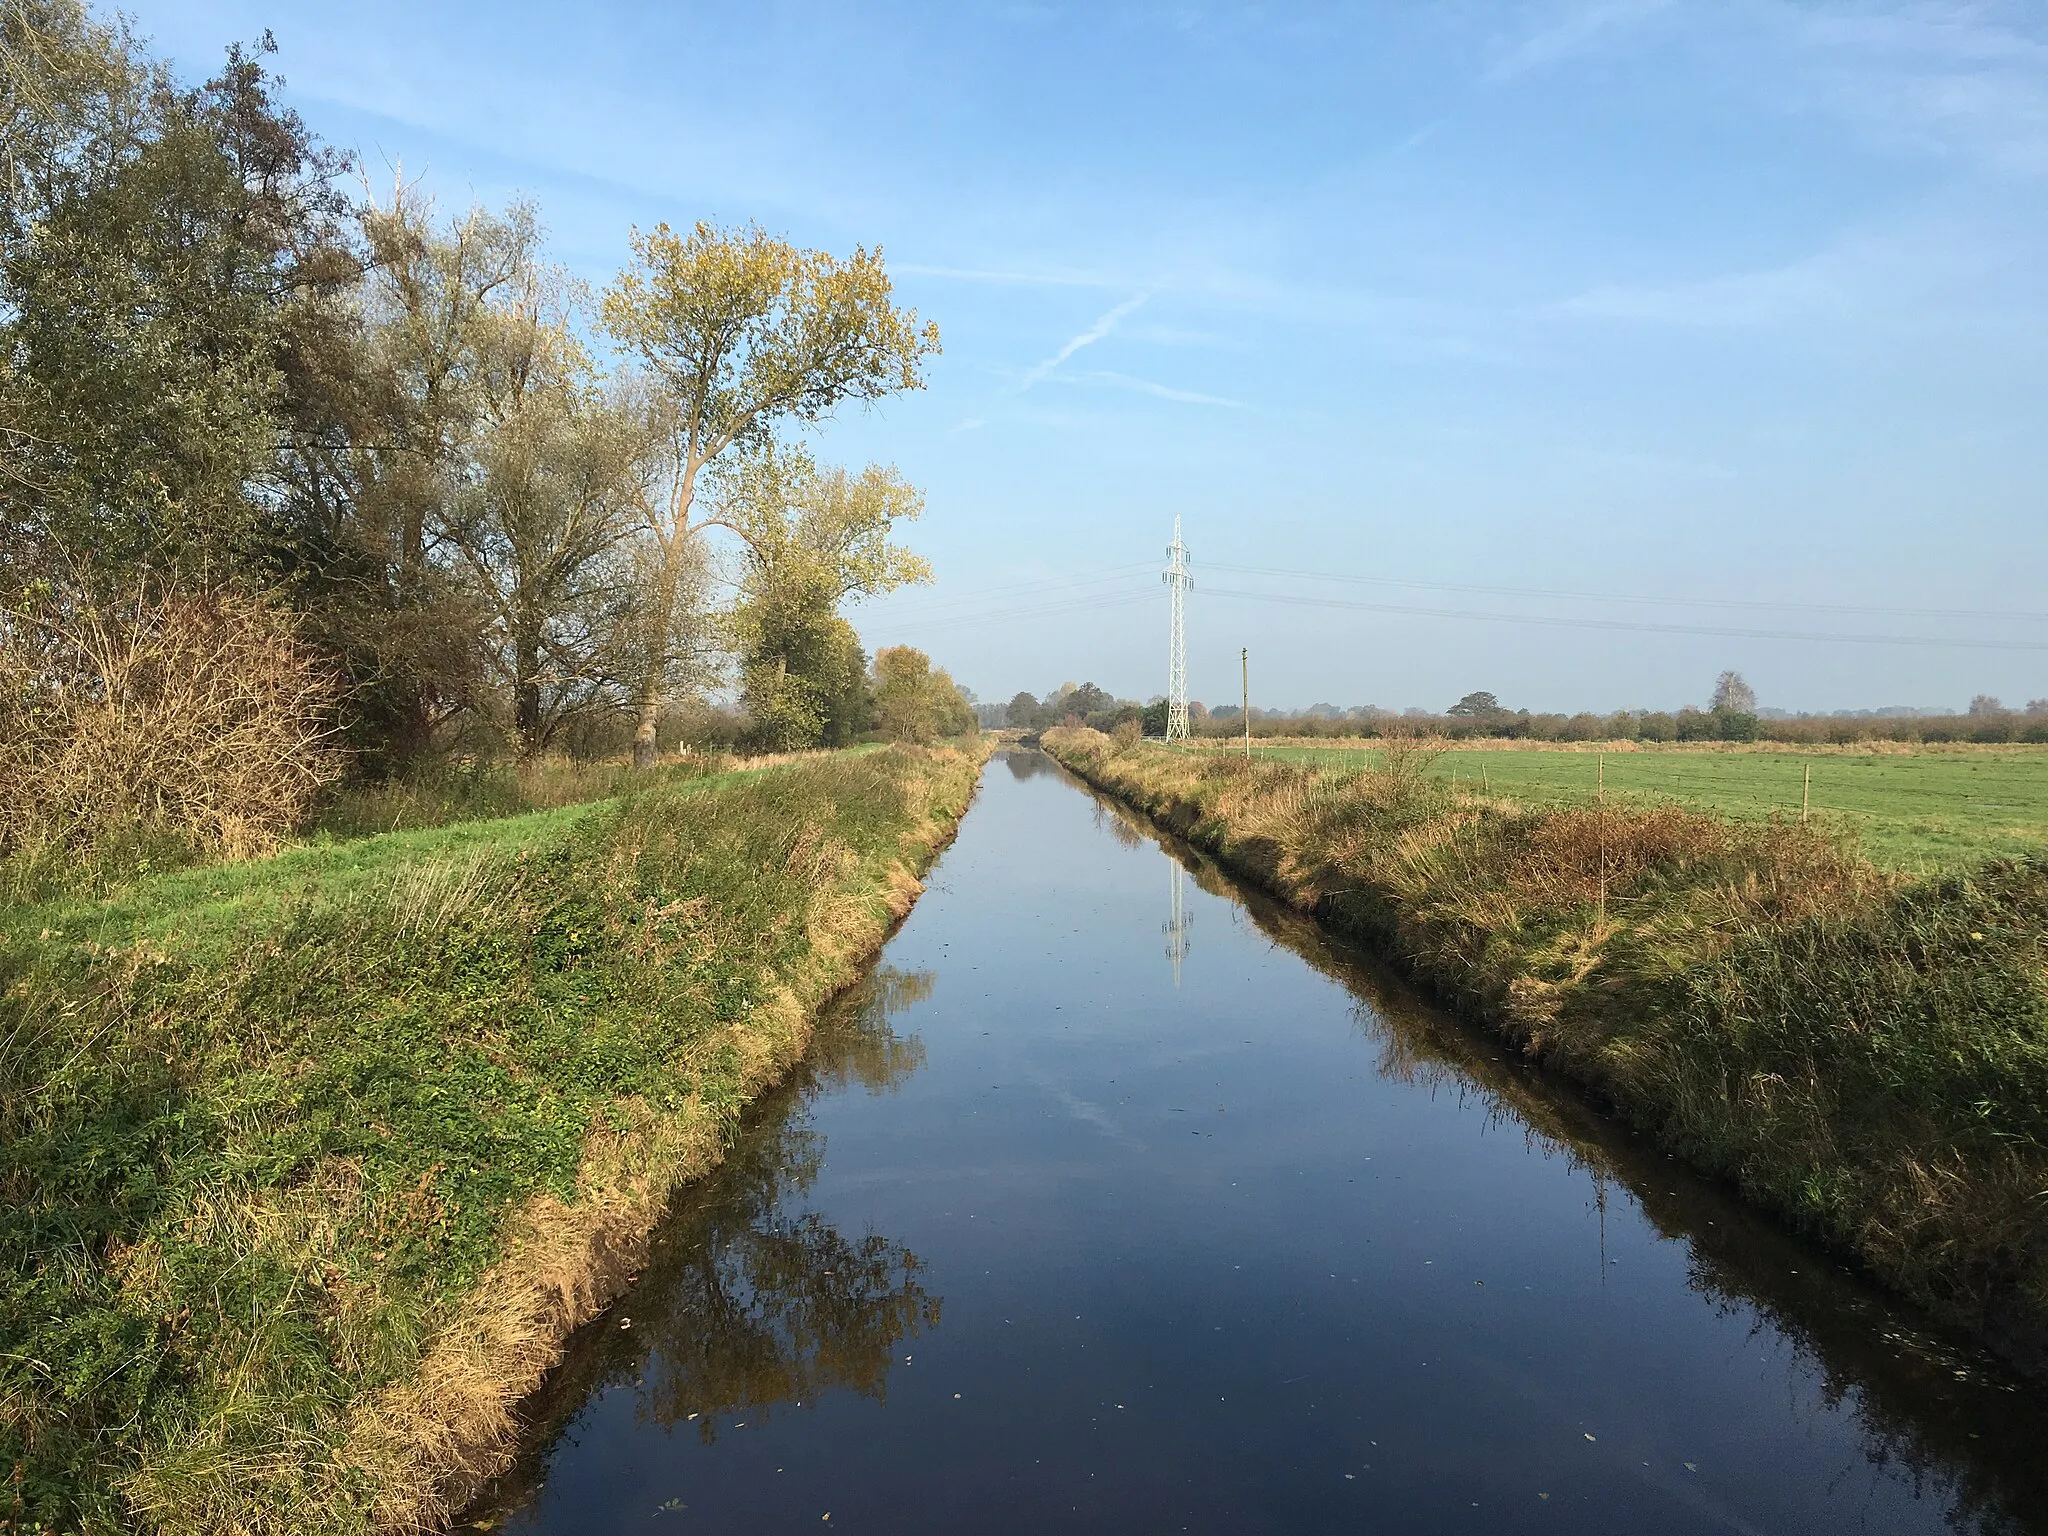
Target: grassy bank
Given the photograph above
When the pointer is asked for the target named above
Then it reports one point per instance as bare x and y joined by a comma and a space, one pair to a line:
1918, 809
307, 1166
448, 793
1865, 1054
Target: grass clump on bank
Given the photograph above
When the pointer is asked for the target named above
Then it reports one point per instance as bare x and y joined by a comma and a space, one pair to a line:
1863, 1053
308, 1165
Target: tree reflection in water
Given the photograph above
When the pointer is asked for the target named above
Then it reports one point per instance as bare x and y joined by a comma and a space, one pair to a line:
748, 1302
1029, 763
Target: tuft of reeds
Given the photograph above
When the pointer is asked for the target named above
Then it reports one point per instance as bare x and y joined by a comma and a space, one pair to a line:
1863, 1054
307, 1166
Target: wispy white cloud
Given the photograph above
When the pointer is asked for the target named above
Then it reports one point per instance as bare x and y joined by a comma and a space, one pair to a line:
1158, 335
1960, 81
1934, 271
1798, 290
1006, 278
1039, 372
1577, 30
1112, 380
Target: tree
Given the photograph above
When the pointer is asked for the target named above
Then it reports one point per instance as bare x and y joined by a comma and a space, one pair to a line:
1476, 706
384, 455
154, 243
1084, 701
1732, 695
1736, 725
743, 333
915, 702
1985, 704
538, 524
811, 540
1022, 712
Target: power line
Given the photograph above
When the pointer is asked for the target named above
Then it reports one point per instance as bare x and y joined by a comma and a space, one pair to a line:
1626, 624
1102, 577
1618, 597
1067, 605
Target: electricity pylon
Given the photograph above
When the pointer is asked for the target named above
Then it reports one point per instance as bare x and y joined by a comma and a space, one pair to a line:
1178, 579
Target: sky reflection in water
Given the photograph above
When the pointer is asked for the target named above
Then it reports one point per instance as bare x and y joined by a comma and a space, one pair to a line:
1122, 1199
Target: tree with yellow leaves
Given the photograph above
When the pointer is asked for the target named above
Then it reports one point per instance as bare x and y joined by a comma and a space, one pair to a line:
811, 539
743, 334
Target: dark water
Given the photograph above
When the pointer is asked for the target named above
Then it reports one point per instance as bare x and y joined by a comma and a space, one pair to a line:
1121, 1200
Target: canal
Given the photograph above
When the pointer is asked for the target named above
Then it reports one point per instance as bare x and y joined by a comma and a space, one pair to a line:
1120, 1199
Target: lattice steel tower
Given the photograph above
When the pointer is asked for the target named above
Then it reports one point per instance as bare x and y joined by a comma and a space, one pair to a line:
1178, 579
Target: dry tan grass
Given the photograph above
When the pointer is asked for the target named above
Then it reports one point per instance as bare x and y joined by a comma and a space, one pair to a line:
198, 716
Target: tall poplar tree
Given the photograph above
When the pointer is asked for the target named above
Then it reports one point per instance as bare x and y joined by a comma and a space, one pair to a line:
742, 334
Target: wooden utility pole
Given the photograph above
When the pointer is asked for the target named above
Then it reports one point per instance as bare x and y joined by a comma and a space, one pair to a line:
1244, 661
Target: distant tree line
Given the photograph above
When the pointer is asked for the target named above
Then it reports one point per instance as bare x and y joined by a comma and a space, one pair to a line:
1731, 714
250, 407
1081, 704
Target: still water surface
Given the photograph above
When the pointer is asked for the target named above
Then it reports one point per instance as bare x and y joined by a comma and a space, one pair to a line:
1121, 1200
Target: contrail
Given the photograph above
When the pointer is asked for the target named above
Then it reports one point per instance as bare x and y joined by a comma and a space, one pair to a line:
1094, 333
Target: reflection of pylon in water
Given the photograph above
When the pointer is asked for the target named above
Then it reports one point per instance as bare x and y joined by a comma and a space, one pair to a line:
1176, 925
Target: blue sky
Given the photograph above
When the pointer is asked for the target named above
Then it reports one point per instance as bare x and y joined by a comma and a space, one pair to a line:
1738, 311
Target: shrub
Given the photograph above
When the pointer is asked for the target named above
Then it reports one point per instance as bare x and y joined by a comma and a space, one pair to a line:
201, 719
914, 701
1735, 725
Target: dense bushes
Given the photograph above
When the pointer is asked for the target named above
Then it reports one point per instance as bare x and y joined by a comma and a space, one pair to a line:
914, 701
1865, 1055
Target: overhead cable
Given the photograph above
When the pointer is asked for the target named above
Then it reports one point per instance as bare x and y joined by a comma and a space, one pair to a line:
1645, 627
1618, 597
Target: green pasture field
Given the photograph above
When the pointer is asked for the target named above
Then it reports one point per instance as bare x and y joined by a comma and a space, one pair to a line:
1913, 811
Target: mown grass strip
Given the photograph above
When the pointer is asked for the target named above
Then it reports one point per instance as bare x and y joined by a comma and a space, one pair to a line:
308, 1165
1864, 1053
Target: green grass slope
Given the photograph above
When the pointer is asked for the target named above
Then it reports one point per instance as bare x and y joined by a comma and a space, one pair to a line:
306, 1165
